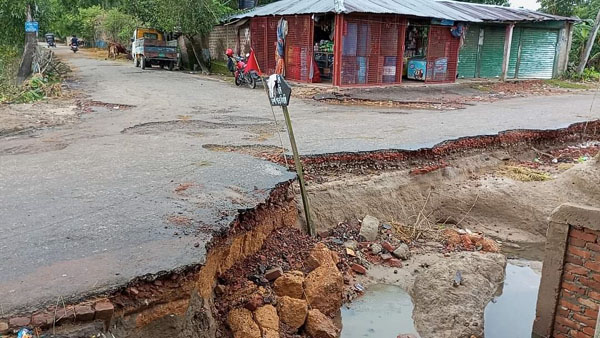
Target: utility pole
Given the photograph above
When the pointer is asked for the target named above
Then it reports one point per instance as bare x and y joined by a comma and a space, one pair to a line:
588, 45
279, 95
30, 45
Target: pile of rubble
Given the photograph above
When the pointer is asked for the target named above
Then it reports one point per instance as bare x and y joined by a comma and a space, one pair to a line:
293, 302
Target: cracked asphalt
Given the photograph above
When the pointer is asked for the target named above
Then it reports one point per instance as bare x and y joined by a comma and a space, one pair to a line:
88, 206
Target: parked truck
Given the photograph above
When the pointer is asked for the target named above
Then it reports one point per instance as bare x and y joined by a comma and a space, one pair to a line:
150, 48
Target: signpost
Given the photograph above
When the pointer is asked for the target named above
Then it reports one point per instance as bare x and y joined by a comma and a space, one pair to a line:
279, 95
31, 27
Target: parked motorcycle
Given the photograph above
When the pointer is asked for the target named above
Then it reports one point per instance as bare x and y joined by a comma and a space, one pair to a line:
245, 70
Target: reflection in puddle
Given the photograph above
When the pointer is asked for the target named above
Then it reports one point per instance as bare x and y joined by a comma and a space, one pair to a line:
512, 314
385, 311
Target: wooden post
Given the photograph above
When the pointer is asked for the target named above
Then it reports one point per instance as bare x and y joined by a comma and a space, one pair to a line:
588, 45
288, 122
337, 49
507, 45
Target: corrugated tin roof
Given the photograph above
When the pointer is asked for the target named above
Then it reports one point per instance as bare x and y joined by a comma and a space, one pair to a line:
419, 8
500, 13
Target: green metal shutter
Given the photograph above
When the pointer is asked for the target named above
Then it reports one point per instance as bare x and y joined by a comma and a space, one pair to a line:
538, 51
514, 53
492, 52
467, 57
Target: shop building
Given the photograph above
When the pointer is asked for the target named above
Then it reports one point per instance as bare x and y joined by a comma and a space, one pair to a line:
357, 43
528, 44
386, 42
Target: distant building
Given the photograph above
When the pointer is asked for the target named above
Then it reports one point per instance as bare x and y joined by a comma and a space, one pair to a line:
381, 42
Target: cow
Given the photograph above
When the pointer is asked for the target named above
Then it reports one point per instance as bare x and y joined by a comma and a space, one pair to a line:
114, 49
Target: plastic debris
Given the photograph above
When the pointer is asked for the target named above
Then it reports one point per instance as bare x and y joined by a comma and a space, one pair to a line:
457, 279
358, 287
25, 333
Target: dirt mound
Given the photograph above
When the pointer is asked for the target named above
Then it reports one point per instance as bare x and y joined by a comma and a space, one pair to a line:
461, 285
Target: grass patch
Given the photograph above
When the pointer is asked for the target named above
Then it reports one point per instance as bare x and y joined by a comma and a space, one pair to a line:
566, 84
524, 174
219, 67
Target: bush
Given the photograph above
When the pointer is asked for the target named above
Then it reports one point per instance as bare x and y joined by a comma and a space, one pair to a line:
118, 26
589, 75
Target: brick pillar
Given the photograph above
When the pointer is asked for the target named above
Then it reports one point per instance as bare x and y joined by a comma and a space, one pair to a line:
569, 295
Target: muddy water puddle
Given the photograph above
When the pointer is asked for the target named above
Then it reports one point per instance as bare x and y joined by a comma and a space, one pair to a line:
385, 311
512, 313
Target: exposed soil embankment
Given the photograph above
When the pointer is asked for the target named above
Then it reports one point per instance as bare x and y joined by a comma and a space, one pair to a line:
160, 305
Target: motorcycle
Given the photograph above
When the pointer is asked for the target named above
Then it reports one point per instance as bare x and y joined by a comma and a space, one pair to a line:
74, 48
244, 70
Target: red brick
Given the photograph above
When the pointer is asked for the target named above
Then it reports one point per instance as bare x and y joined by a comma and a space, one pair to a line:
387, 246
574, 259
568, 323
582, 235
594, 266
583, 319
583, 253
84, 313
568, 276
561, 311
65, 314
570, 305
42, 319
573, 288
395, 263
589, 330
560, 328
590, 231
576, 269
104, 310
590, 283
358, 268
593, 247
18, 322
587, 302
579, 334
560, 335
594, 295
577, 242
591, 313
595, 276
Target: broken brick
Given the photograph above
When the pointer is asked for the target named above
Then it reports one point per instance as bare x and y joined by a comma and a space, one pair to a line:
273, 274
19, 321
84, 312
358, 268
387, 246
395, 263
42, 319
104, 310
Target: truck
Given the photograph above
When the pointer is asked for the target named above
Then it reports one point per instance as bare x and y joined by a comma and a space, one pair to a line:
150, 48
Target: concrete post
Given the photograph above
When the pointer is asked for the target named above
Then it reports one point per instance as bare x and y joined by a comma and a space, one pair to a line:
507, 45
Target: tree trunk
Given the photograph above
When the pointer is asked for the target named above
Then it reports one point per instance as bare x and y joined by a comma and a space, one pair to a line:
201, 63
588, 45
27, 60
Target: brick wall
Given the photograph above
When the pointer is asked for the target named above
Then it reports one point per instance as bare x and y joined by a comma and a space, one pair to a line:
577, 308
231, 36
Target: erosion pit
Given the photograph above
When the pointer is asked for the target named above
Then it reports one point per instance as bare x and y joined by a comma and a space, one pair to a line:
467, 191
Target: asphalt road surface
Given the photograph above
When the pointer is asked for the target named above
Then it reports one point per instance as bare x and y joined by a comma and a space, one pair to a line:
86, 207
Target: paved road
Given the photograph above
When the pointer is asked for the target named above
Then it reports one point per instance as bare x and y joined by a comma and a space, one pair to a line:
88, 206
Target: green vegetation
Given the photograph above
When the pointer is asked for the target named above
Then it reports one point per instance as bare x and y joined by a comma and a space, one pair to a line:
564, 84
93, 20
590, 74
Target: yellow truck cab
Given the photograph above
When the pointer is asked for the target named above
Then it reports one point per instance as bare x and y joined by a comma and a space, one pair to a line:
150, 48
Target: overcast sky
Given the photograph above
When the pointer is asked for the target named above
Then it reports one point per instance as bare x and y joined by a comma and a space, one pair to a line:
529, 4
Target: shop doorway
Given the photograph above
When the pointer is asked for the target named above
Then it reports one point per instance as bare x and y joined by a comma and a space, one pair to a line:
415, 50
323, 36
